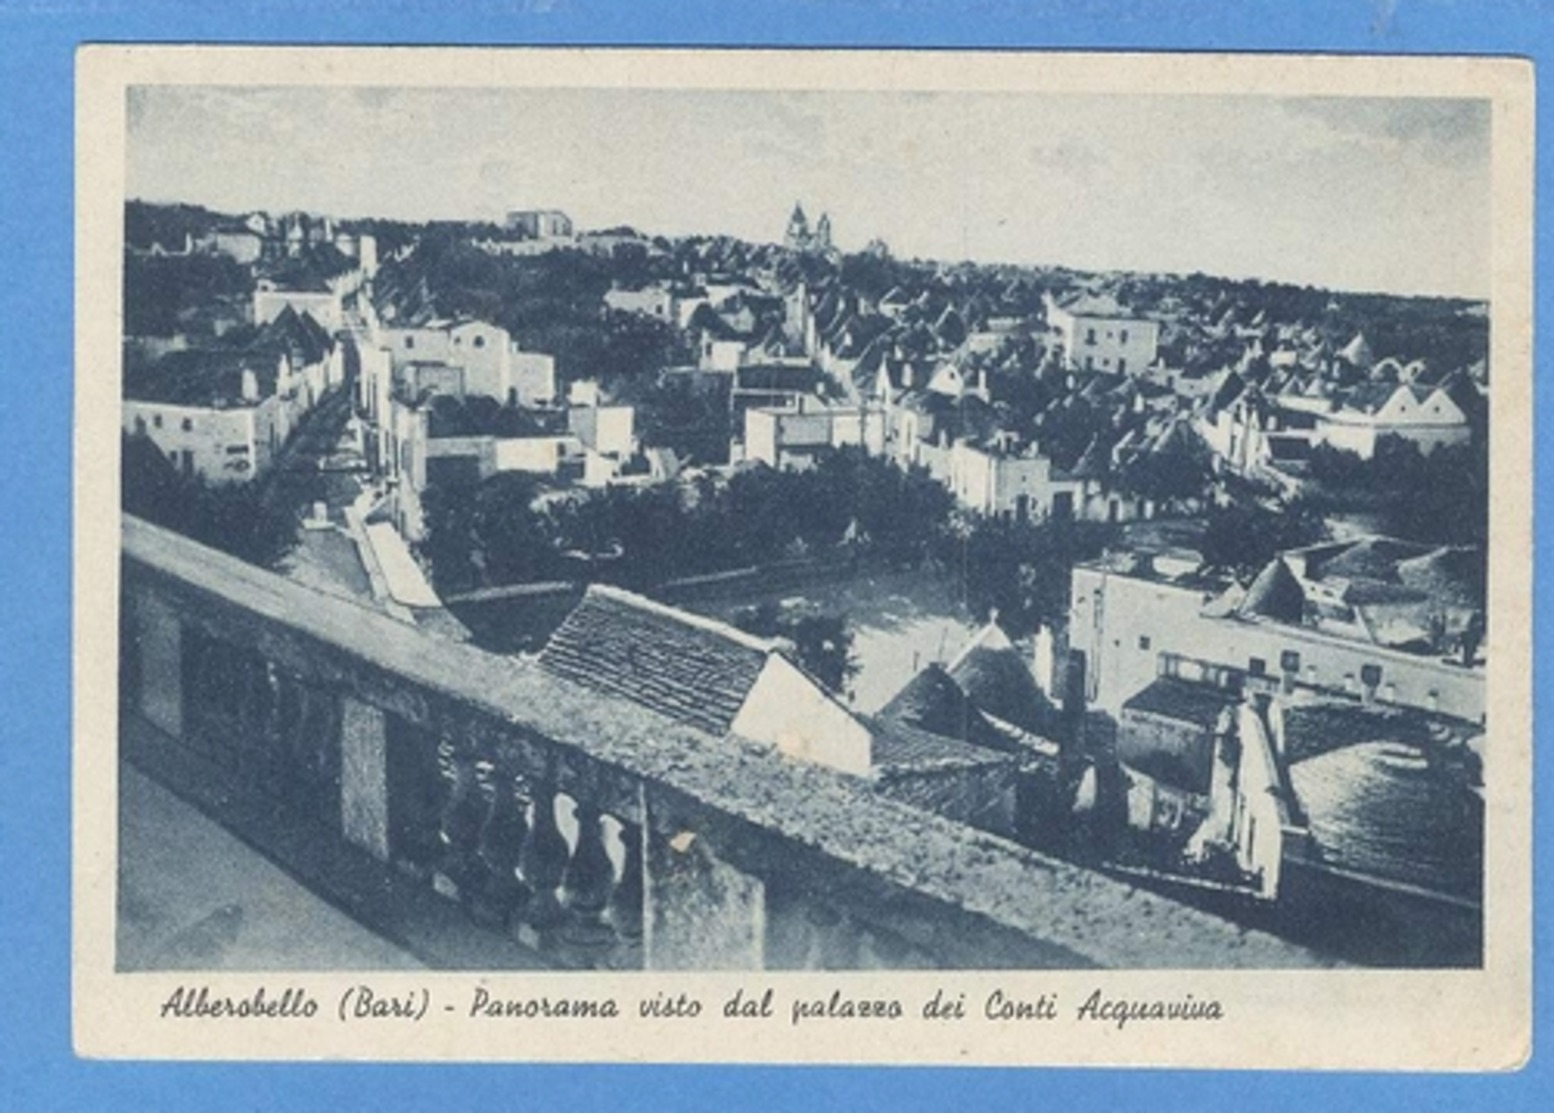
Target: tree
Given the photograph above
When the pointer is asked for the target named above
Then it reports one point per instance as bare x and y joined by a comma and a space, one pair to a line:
1023, 570
1244, 538
1436, 497
232, 518
515, 541
448, 543
822, 645
1181, 471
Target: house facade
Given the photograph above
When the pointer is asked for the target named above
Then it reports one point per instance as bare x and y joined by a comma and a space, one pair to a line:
469, 357
325, 307
1130, 622
540, 224
792, 437
221, 416
1426, 417
656, 301
1099, 335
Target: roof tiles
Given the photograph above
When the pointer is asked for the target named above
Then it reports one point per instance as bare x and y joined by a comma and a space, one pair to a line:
694, 670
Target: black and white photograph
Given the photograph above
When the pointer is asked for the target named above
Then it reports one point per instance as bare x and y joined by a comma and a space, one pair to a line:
598, 526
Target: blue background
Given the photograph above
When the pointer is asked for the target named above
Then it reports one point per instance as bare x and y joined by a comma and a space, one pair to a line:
37, 40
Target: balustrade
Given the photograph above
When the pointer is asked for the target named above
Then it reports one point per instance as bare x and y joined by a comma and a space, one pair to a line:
587, 831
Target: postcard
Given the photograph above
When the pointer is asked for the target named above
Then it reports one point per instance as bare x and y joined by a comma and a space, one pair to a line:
867, 557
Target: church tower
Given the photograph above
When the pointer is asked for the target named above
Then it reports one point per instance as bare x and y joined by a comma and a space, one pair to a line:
822, 241
798, 230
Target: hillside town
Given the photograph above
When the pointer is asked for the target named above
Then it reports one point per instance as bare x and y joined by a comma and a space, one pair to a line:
1176, 577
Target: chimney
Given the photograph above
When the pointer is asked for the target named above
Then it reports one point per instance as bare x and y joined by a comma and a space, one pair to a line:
1289, 671
1370, 681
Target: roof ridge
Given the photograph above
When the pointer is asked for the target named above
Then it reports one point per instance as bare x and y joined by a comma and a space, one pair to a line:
976, 642
685, 617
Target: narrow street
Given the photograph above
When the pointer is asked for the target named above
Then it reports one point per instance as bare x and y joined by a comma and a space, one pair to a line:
321, 464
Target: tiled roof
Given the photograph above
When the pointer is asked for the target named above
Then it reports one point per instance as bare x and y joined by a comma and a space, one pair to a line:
689, 668
1094, 462
1357, 352
202, 378
1384, 809
310, 270
934, 702
776, 378
1370, 396
1276, 594
996, 679
898, 745
1196, 703
1375, 557
1449, 575
1096, 306
294, 335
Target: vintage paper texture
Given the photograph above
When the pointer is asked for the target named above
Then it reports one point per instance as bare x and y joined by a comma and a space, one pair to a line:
1386, 1019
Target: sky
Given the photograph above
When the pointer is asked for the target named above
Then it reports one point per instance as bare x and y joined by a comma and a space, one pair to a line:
1352, 194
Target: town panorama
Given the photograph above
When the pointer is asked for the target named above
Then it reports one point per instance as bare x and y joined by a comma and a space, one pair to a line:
904, 589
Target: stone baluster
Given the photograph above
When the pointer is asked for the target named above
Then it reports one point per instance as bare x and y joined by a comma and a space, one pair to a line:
459, 871
497, 844
501, 843
542, 863
418, 782
625, 909
588, 880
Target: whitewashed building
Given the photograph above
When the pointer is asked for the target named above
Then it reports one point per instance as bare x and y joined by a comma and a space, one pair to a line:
469, 357
1098, 334
220, 415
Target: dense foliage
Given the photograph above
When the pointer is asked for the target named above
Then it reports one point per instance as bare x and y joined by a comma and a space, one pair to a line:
495, 532
1021, 571
549, 303
822, 645
162, 292
236, 519
1439, 497
850, 506
1243, 538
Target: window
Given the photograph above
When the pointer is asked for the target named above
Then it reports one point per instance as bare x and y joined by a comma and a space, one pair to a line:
1257, 667
1122, 336
156, 421
140, 424
479, 342
1089, 337
188, 424
1289, 661
1370, 674
1143, 643
409, 342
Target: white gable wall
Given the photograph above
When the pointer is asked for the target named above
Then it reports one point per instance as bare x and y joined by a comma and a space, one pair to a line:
790, 712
